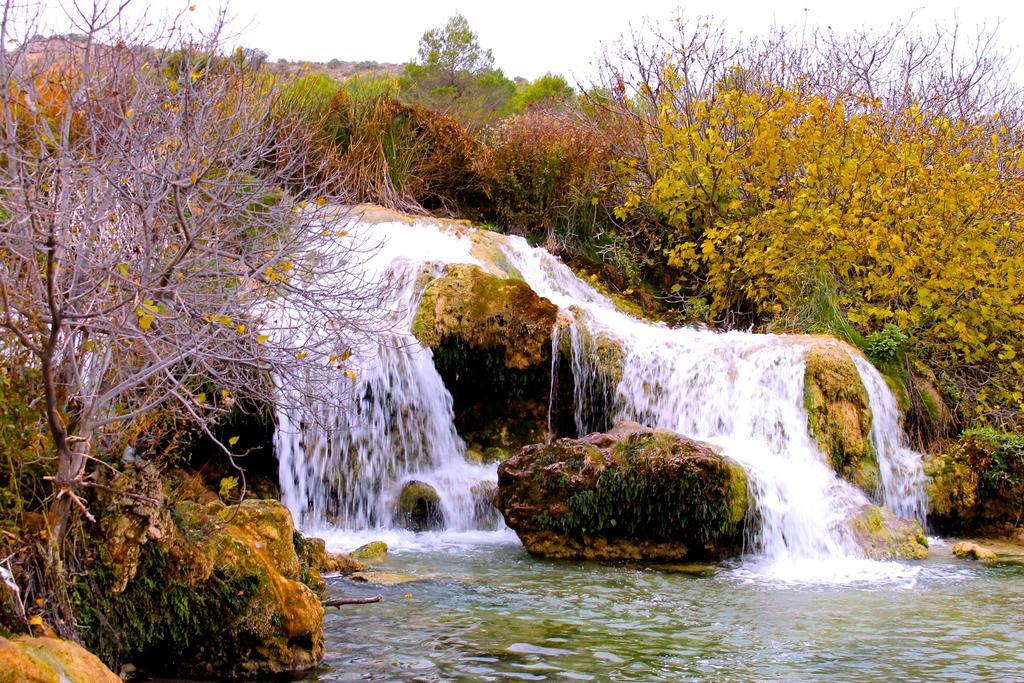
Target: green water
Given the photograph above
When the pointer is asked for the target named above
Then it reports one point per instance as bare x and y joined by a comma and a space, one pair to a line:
490, 612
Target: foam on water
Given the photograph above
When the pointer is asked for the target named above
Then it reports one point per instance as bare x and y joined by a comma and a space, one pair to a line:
741, 392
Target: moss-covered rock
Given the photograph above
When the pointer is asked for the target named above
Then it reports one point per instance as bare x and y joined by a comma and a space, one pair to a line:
972, 551
419, 507
839, 414
632, 493
487, 313
220, 594
882, 535
372, 552
50, 660
315, 560
977, 484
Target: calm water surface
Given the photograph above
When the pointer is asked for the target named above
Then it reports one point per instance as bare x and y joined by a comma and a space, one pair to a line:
485, 610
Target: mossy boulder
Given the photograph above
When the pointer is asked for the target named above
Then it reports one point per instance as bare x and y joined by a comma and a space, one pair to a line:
839, 414
881, 535
372, 552
50, 660
419, 507
486, 313
220, 594
630, 494
977, 484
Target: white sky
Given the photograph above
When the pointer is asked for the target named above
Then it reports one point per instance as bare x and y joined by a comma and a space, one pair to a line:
529, 37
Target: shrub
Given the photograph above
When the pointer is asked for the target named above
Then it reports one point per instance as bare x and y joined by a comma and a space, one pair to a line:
544, 174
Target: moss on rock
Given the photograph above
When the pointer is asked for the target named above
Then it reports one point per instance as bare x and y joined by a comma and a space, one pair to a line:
419, 507
839, 414
977, 484
486, 312
633, 493
220, 594
881, 535
372, 552
50, 660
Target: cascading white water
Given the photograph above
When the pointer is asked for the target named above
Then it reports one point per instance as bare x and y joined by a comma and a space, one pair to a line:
741, 392
346, 467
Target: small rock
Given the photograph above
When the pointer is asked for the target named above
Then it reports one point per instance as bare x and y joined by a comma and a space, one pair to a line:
972, 551
384, 578
419, 507
374, 551
485, 514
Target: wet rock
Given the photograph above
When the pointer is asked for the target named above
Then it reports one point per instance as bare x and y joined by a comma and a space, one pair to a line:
630, 494
384, 578
839, 414
972, 551
49, 660
372, 552
976, 486
219, 595
316, 560
603, 351
275, 624
881, 535
485, 515
485, 312
419, 507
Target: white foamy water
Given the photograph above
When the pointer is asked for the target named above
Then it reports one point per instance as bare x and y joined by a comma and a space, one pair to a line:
743, 393
740, 392
345, 468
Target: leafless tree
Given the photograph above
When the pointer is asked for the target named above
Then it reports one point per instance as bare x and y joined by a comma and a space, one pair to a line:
166, 241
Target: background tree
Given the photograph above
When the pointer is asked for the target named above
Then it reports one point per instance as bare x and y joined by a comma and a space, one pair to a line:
453, 49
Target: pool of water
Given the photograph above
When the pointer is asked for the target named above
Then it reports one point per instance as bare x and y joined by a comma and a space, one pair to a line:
483, 609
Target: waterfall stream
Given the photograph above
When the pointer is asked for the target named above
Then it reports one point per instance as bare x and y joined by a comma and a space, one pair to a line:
741, 392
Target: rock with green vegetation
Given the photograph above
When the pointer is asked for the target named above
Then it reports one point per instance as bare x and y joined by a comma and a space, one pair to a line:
316, 561
419, 507
839, 414
220, 594
977, 485
372, 552
50, 660
602, 349
485, 312
630, 494
881, 535
972, 551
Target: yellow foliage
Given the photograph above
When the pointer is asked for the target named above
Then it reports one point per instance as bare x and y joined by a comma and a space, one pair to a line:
914, 217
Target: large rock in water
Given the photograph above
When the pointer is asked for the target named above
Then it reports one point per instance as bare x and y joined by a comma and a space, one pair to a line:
630, 494
839, 414
50, 660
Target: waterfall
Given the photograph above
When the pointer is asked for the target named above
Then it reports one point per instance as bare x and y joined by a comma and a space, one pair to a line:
743, 393
346, 467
